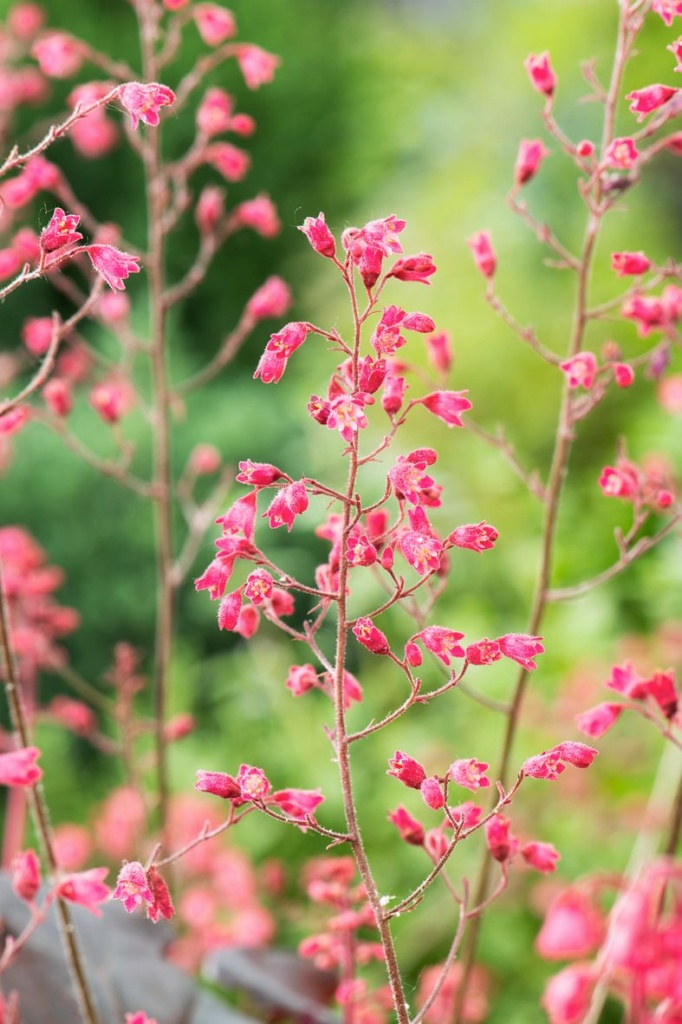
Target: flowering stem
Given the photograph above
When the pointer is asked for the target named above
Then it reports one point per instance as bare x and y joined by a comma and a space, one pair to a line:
41, 817
151, 154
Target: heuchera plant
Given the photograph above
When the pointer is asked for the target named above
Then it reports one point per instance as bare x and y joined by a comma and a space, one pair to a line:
390, 540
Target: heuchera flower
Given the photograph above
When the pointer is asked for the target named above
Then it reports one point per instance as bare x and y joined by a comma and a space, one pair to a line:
620, 481
112, 264
260, 214
259, 585
598, 720
482, 251
439, 351
370, 636
551, 763
210, 208
230, 161
253, 782
447, 405
625, 263
580, 370
141, 1017
229, 609
162, 905
442, 642
540, 72
541, 856
359, 549
530, 156
623, 374
257, 66
573, 927
215, 578
318, 234
475, 536
86, 888
240, 518
644, 101
259, 474
410, 829
470, 773
413, 268
568, 994
60, 231
432, 793
419, 545
272, 299
667, 9
408, 771
19, 768
143, 101
289, 502
218, 784
26, 875
501, 844
57, 396
622, 153
521, 648
132, 887
215, 24
300, 679
59, 55
298, 803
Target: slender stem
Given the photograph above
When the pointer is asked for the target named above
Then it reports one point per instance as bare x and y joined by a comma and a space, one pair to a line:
41, 817
151, 152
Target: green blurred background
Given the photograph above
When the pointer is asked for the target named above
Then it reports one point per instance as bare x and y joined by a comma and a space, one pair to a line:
414, 108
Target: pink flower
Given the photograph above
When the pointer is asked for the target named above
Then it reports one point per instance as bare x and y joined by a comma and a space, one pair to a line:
580, 370
676, 49
19, 768
60, 231
623, 374
143, 101
258, 67
540, 72
140, 1017
253, 782
25, 19
26, 875
541, 856
482, 251
260, 214
272, 299
204, 460
112, 264
86, 888
597, 720
36, 334
162, 903
110, 400
259, 585
214, 24
439, 351
620, 481
501, 844
58, 54
210, 209
359, 548
551, 763
644, 101
132, 887
258, 474
470, 773
366, 633
218, 784
422, 549
573, 927
521, 648
410, 829
667, 9
621, 154
215, 578
568, 994
442, 642
318, 234
406, 770
347, 414
240, 518
476, 537
230, 161
228, 610
298, 803
447, 405
300, 679
483, 652
531, 154
625, 263
214, 112
413, 268
432, 793
289, 502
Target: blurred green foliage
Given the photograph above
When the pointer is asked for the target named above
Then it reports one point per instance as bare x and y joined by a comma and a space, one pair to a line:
379, 107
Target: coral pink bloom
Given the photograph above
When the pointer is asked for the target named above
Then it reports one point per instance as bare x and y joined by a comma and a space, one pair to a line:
86, 888
272, 299
248, 621
568, 994
439, 351
240, 518
259, 474
143, 101
484, 652
253, 782
598, 720
521, 648
162, 903
218, 784
19, 768
204, 459
408, 771
482, 251
366, 633
442, 642
259, 585
214, 112
580, 370
230, 161
300, 679
10, 263
413, 268
623, 374
298, 803
667, 9
58, 54
228, 610
57, 396
242, 124
410, 829
644, 101
530, 156
620, 481
447, 405
318, 234
257, 66
260, 214
625, 263
140, 1017
359, 549
470, 773
60, 231
422, 550
214, 24
12, 422
676, 49
112, 264
573, 927
621, 154
210, 208
551, 763
26, 875
289, 502
25, 19
540, 72
110, 400
36, 334
215, 578
432, 793
541, 856
132, 887
347, 414
502, 845
476, 537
